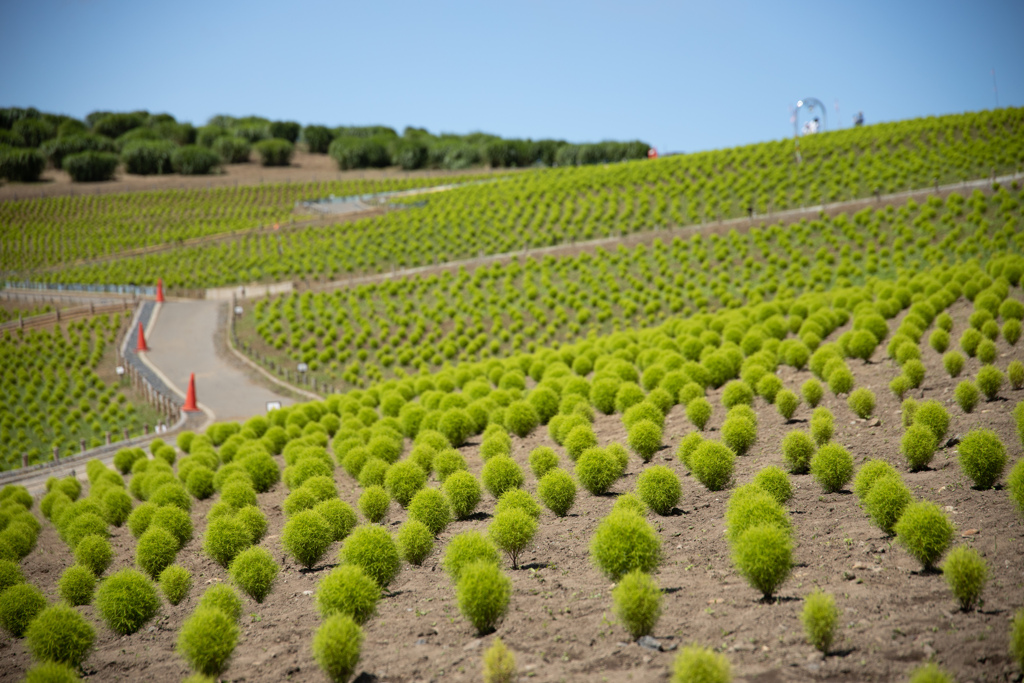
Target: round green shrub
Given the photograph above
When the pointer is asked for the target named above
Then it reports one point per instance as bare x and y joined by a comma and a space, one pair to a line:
403, 480
924, 531
520, 499
832, 467
306, 537
797, 451
95, 553
521, 418
126, 600
174, 520
463, 493
60, 634
698, 412
763, 555
751, 506
967, 396
786, 402
238, 494
448, 461
953, 362
372, 548
644, 438
194, 160
939, 340
969, 341
338, 514
255, 522
175, 583
699, 665
10, 575
918, 446
822, 425
812, 392
349, 591
1015, 373
225, 537
861, 402
886, 500
712, 464
986, 351
557, 491
637, 603
775, 483
820, 618
156, 550
483, 593
90, 166
456, 426
597, 469
737, 392
840, 380
117, 506
739, 434
659, 488
930, 673
499, 664
415, 542
623, 542
207, 639
899, 386
1017, 638
76, 585
19, 605
578, 440
500, 474
336, 647
51, 672
172, 493
542, 460
966, 573
466, 548
982, 457
512, 531
768, 387
1015, 482
989, 380
85, 524
1011, 331
493, 446
687, 445
374, 503
223, 598
430, 507
254, 570
262, 469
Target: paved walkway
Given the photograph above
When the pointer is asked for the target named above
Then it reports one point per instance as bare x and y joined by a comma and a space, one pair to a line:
183, 341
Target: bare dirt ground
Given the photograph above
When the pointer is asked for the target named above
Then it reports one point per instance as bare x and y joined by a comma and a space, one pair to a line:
560, 623
305, 167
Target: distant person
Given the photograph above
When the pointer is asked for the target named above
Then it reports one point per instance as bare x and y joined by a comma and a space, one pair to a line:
858, 119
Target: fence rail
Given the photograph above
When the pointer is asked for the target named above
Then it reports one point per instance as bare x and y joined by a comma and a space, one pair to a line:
130, 290
64, 315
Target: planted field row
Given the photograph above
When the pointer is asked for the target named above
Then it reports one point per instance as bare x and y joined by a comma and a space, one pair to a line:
358, 336
533, 481
53, 396
558, 206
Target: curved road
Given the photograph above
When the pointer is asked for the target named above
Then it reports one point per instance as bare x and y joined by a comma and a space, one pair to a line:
183, 340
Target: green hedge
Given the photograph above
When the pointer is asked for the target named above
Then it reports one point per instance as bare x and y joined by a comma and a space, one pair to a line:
55, 150
116, 125
207, 135
285, 130
275, 152
34, 131
317, 138
232, 150
409, 154
148, 157
351, 152
194, 160
87, 167
21, 165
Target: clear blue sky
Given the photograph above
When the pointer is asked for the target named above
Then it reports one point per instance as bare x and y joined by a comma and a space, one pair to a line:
683, 76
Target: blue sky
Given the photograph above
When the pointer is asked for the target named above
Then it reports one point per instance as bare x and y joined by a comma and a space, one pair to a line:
682, 76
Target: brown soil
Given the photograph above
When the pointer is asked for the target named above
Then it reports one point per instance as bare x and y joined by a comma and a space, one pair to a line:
560, 624
305, 167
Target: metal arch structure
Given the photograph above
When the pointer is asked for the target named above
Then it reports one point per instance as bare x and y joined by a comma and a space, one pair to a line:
810, 103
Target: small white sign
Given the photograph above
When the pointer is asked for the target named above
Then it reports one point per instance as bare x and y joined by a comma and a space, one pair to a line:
273, 405
303, 367
119, 370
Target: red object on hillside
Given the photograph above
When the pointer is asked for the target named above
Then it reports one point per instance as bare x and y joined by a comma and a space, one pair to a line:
652, 153
141, 346
160, 290
190, 398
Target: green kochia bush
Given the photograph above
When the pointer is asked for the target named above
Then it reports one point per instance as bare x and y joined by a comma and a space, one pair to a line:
430, 507
512, 532
819, 618
499, 664
966, 573
712, 464
967, 396
542, 460
862, 402
51, 672
931, 414
989, 380
306, 537
918, 446
832, 467
463, 493
483, 593
1015, 483
797, 451
126, 600
500, 474
374, 503
930, 673
624, 541
519, 499
225, 537
659, 488
1017, 638
348, 590
775, 483
466, 548
751, 506
60, 634
207, 639
557, 491
254, 570
637, 601
371, 548
597, 470
763, 555
982, 457
274, 152
10, 574
222, 597
415, 542
76, 585
699, 665
337, 646
403, 480
338, 514
175, 583
886, 500
698, 411
95, 553
822, 425
156, 550
924, 531
644, 438
19, 605
86, 167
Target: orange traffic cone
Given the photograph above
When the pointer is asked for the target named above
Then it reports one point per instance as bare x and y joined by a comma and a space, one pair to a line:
160, 290
190, 398
141, 346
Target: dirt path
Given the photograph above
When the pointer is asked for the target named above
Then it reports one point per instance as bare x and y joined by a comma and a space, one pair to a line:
183, 340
